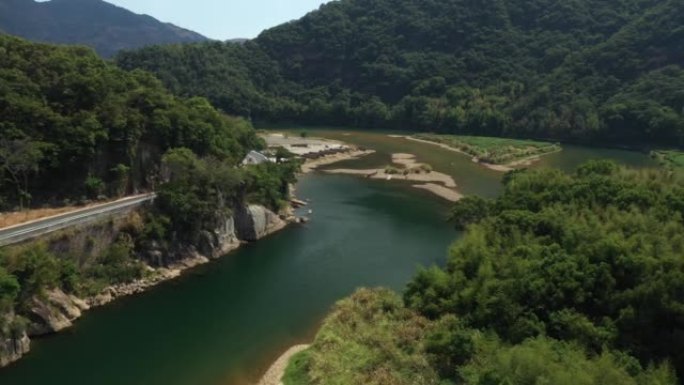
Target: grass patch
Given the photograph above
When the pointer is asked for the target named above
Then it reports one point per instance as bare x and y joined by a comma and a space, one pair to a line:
371, 339
671, 159
493, 150
297, 371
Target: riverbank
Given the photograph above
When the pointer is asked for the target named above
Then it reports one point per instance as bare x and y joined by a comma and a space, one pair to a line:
55, 310
192, 260
275, 373
438, 183
510, 166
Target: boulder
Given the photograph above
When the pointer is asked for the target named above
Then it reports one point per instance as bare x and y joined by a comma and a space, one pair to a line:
254, 222
53, 313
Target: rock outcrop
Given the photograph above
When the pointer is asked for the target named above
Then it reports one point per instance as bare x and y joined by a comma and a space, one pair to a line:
254, 222
12, 349
224, 238
13, 343
55, 312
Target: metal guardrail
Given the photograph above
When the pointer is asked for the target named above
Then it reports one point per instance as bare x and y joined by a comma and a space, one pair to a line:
33, 229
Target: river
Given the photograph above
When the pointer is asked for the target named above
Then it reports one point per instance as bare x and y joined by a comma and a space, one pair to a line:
223, 323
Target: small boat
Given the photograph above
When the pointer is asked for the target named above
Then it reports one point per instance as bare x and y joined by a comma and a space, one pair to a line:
310, 212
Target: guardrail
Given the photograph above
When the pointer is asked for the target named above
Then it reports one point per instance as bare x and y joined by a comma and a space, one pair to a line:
33, 229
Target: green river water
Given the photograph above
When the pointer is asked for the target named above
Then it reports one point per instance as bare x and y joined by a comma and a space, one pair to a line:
223, 323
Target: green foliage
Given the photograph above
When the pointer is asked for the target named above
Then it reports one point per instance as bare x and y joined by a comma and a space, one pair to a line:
593, 258
469, 210
94, 186
198, 194
116, 265
391, 170
297, 371
239, 79
672, 160
35, 269
9, 289
268, 183
19, 161
370, 338
68, 117
545, 361
373, 338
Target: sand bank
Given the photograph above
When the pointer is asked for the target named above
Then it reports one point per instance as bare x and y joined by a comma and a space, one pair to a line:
312, 164
438, 183
447, 193
275, 373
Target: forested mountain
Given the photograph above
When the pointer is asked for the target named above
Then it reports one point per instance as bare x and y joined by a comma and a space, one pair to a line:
73, 125
586, 70
94, 23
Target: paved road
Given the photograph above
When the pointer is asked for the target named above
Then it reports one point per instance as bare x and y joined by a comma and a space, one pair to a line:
33, 229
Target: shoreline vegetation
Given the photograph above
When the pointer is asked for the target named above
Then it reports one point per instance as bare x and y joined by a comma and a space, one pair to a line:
498, 154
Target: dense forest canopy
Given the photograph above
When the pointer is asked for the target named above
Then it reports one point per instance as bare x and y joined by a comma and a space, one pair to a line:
95, 23
584, 71
73, 125
594, 258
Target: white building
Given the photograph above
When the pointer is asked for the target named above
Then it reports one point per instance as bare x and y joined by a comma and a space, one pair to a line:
254, 157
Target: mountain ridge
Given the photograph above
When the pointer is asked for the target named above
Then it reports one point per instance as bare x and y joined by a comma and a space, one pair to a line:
105, 27
591, 71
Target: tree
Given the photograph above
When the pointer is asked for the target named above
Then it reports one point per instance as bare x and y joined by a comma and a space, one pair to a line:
19, 160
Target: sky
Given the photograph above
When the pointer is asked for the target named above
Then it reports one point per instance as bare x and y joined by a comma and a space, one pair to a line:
223, 19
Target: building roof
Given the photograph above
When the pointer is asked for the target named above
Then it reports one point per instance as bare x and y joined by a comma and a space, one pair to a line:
255, 157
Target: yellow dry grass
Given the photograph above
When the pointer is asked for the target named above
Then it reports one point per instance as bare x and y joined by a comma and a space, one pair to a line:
19, 217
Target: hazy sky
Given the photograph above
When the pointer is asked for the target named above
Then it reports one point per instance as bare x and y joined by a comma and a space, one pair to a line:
223, 19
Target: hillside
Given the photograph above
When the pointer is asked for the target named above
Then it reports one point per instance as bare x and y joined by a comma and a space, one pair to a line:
95, 23
72, 125
593, 70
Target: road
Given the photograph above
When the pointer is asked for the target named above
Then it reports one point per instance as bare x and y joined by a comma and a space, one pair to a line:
39, 227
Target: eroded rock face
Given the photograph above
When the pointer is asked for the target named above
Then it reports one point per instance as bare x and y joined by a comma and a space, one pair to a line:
227, 235
255, 222
12, 349
54, 313
219, 241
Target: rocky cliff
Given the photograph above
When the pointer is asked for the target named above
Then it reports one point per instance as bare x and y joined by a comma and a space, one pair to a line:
13, 345
56, 310
12, 349
254, 222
